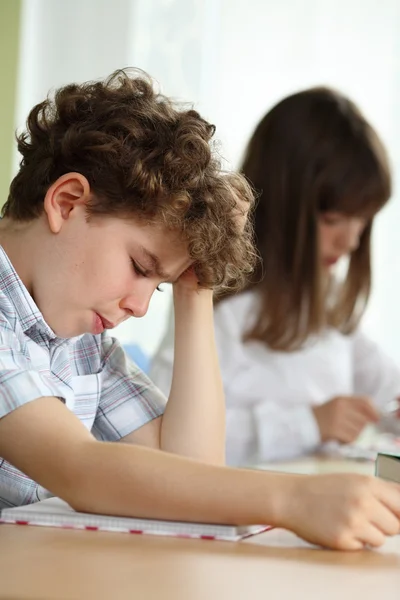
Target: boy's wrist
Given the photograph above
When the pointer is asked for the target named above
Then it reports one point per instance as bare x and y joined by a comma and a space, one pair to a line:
285, 492
192, 296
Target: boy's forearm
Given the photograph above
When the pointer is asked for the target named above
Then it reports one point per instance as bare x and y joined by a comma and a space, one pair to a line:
132, 480
128, 480
194, 421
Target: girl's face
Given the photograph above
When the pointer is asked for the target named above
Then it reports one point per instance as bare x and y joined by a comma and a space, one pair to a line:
339, 236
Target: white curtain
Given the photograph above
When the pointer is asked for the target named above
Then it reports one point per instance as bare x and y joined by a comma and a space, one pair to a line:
234, 60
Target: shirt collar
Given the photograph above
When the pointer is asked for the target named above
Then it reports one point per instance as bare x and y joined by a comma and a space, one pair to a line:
12, 287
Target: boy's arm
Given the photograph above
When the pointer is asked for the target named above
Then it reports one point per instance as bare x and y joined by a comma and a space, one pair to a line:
47, 442
193, 424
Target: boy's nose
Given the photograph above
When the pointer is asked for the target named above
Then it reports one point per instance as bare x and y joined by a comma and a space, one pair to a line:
136, 306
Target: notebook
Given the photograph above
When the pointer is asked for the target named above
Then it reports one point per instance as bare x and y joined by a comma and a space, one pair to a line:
54, 512
387, 466
366, 448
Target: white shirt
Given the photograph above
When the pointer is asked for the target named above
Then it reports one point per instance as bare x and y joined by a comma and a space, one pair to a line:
269, 394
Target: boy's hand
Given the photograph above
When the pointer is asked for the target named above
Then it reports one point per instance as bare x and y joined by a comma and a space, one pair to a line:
343, 418
188, 285
187, 281
343, 511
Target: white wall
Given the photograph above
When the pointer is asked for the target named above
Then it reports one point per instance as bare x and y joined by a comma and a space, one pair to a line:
69, 41
234, 59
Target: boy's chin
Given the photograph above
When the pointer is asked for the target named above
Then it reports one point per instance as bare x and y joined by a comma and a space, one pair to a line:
64, 331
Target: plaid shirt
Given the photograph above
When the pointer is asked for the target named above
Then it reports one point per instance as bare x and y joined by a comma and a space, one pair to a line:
91, 374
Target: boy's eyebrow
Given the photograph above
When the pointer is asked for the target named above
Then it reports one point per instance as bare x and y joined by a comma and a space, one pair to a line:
155, 265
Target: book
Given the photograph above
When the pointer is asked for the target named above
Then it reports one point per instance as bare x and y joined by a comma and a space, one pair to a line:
387, 466
54, 512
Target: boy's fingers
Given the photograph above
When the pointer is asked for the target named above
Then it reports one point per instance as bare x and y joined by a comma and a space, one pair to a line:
385, 520
371, 536
389, 494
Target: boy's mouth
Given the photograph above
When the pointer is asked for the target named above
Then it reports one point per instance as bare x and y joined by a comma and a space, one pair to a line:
101, 323
107, 324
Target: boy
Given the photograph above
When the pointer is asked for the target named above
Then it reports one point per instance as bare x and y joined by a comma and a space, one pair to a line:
118, 191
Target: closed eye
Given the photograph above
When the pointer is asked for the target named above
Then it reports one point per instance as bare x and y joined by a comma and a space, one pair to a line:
140, 271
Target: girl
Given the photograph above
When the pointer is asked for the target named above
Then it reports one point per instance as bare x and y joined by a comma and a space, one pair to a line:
297, 371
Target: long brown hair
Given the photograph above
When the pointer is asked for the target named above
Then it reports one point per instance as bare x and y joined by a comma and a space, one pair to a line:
313, 152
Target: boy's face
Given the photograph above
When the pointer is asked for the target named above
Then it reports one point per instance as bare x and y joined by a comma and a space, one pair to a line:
94, 275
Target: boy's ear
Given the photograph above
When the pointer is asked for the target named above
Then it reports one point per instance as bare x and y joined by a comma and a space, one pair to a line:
63, 196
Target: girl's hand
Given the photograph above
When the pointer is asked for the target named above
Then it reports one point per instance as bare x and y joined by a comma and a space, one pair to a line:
343, 418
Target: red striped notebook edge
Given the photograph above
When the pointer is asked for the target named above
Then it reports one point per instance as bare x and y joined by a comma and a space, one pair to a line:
262, 529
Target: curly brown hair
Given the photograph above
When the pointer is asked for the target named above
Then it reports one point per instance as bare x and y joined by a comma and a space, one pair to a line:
144, 156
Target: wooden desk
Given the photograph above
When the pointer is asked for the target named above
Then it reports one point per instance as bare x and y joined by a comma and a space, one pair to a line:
53, 564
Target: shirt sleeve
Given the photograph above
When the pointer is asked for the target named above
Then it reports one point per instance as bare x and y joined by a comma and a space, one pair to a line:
129, 399
19, 383
375, 374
